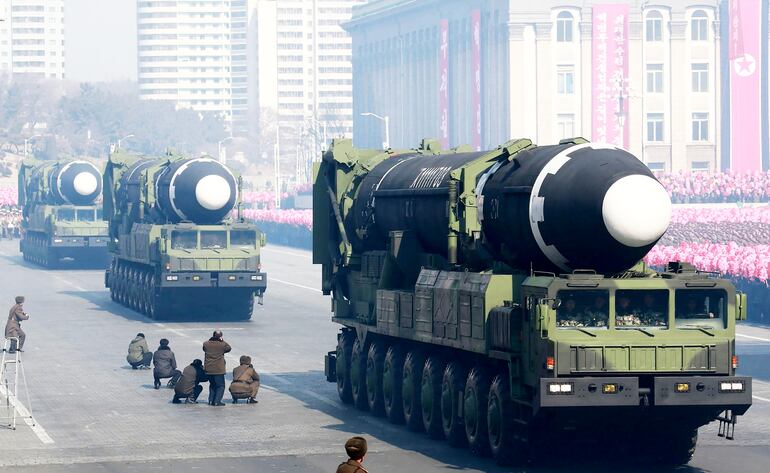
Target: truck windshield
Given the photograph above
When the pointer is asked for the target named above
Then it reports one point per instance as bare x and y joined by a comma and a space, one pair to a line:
701, 308
85, 215
184, 240
243, 238
641, 308
213, 240
65, 215
588, 308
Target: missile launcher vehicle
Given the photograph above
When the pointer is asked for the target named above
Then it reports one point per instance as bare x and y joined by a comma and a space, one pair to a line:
176, 249
60, 215
497, 300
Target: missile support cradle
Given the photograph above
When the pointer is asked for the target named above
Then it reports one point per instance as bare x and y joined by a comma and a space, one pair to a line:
496, 300
61, 216
176, 250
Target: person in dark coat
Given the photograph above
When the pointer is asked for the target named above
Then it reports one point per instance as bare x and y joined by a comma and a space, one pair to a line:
214, 364
356, 449
165, 365
139, 354
245, 381
13, 326
188, 387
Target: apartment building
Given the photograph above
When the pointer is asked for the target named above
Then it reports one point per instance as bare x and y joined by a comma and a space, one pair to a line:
32, 39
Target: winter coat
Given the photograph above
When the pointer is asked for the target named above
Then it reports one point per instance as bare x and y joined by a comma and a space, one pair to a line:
136, 350
15, 316
351, 466
165, 363
245, 380
214, 362
190, 377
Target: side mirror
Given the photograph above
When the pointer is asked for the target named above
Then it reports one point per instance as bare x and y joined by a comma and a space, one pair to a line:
556, 304
543, 319
741, 306
262, 239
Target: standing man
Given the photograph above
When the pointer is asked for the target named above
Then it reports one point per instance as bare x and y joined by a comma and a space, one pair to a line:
214, 365
13, 326
355, 447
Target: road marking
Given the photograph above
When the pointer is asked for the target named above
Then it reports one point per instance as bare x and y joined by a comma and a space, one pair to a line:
300, 255
28, 419
299, 285
753, 337
69, 283
760, 398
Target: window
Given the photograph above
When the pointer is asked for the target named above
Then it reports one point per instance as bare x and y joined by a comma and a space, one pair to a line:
564, 27
243, 239
700, 166
565, 125
184, 240
699, 26
657, 166
586, 308
565, 79
85, 215
700, 126
654, 26
213, 240
654, 78
700, 77
641, 308
654, 127
66, 215
698, 309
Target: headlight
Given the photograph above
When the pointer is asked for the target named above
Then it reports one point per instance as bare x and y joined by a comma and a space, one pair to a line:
731, 386
682, 387
610, 388
231, 278
172, 277
196, 277
57, 240
560, 388
253, 277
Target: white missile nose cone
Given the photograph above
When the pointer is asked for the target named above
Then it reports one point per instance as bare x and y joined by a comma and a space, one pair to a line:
636, 210
212, 192
85, 183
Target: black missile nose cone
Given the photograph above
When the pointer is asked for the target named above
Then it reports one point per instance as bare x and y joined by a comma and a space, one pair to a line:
200, 190
77, 183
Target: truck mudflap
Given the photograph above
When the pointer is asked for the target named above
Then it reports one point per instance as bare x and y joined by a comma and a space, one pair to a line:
727, 392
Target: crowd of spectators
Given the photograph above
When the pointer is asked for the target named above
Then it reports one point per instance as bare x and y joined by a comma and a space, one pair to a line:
714, 187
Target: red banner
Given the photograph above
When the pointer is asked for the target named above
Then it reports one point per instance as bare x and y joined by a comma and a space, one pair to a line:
609, 63
476, 71
745, 85
443, 86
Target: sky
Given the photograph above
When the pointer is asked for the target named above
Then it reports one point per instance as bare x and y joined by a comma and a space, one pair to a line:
100, 40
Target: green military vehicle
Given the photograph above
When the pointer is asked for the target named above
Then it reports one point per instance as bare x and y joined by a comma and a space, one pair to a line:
497, 300
60, 216
177, 250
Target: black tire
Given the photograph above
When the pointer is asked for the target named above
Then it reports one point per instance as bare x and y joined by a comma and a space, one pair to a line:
675, 447
475, 411
375, 360
430, 397
358, 375
506, 449
411, 390
392, 382
344, 349
452, 388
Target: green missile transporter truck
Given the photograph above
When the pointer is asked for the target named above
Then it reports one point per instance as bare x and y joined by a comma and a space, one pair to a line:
496, 299
176, 249
60, 216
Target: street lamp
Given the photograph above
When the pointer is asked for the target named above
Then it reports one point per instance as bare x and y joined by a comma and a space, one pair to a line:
386, 120
219, 149
124, 138
26, 141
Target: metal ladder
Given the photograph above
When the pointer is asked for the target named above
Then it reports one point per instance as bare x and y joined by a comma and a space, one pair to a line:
11, 375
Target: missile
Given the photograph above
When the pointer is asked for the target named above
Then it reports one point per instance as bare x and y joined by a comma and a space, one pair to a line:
75, 182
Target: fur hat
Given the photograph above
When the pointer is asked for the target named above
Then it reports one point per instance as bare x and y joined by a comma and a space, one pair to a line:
245, 360
356, 448
20, 299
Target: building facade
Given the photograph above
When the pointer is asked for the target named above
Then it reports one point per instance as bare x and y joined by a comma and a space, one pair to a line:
32, 39
644, 75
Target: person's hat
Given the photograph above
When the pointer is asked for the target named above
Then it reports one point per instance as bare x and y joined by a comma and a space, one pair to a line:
140, 334
245, 360
164, 342
20, 299
356, 447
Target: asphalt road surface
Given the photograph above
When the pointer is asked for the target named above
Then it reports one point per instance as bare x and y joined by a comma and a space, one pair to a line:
96, 415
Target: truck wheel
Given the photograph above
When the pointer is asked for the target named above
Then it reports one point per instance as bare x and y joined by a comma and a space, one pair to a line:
452, 387
475, 411
500, 423
392, 379
344, 350
358, 375
411, 388
375, 360
675, 447
430, 397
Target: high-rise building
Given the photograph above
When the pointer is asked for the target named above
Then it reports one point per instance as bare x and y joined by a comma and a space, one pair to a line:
304, 72
32, 38
194, 54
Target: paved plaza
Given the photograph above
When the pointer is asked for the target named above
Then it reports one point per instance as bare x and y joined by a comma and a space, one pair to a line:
96, 414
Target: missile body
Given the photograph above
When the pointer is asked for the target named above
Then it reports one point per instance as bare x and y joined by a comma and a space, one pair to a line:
65, 182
